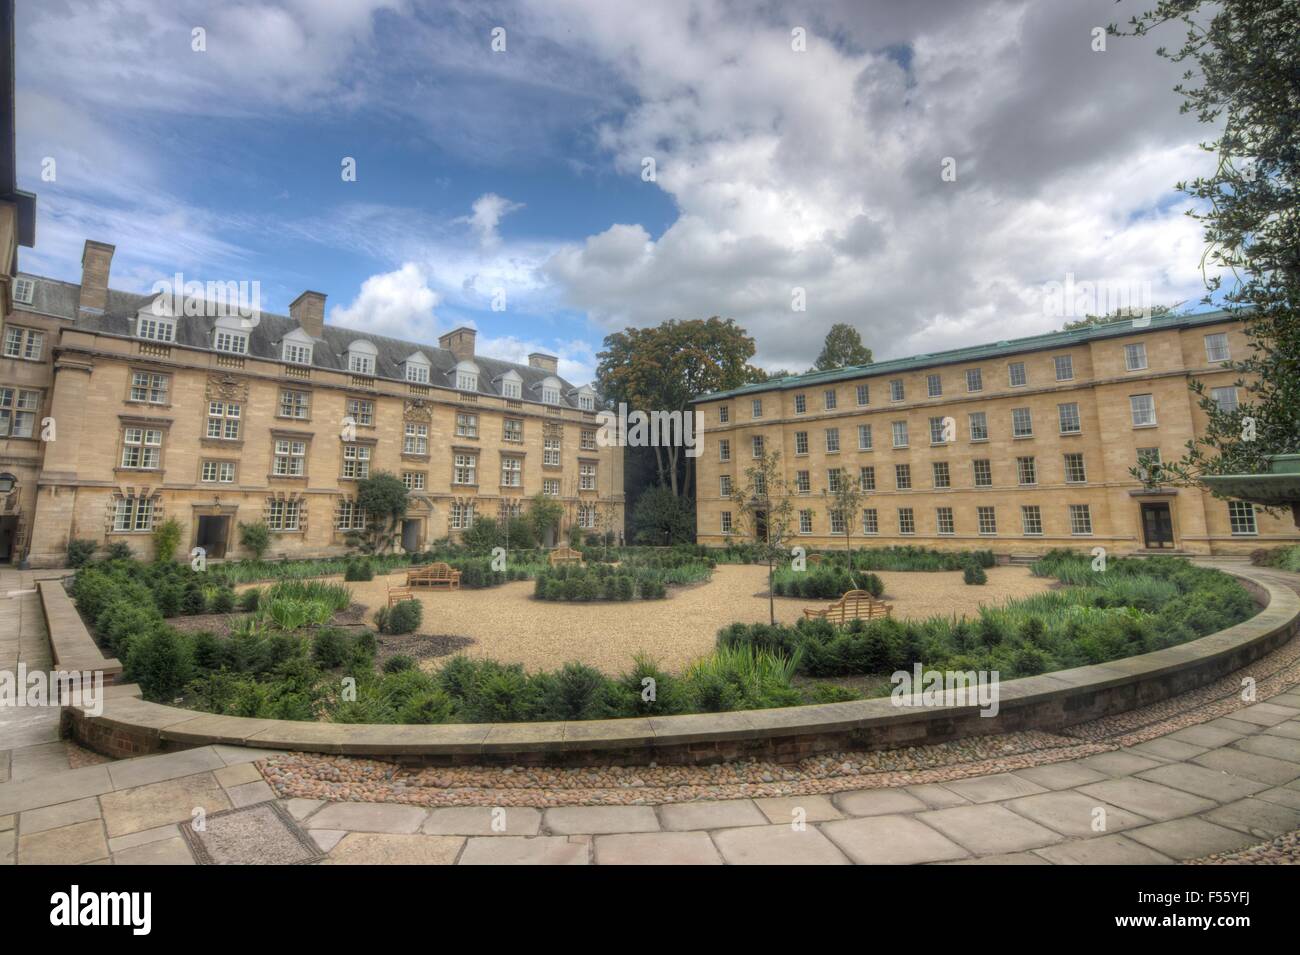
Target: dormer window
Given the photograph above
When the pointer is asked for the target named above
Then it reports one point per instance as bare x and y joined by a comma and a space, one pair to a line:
586, 398
416, 368
551, 391
24, 291
154, 328
361, 358
466, 376
228, 340
512, 386
296, 353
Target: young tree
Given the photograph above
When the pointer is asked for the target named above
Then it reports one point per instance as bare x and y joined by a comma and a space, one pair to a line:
1242, 80
845, 498
544, 513
767, 514
843, 347
383, 497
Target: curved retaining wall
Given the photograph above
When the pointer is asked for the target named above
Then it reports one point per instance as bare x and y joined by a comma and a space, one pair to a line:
129, 726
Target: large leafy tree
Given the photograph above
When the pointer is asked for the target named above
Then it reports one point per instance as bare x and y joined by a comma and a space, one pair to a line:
1242, 79
384, 498
664, 367
843, 347
661, 517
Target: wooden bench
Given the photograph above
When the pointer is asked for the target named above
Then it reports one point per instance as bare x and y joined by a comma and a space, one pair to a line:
397, 594
854, 605
565, 555
437, 574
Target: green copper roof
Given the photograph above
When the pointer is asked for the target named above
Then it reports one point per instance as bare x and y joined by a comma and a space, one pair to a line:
1051, 340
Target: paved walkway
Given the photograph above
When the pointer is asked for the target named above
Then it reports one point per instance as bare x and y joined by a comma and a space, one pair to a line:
1212, 788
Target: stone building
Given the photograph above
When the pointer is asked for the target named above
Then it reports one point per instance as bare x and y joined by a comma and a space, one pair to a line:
121, 410
1018, 447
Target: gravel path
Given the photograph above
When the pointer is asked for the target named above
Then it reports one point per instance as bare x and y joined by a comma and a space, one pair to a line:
507, 624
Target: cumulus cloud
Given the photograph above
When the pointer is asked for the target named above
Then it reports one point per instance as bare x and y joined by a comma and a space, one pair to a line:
489, 210
398, 304
820, 171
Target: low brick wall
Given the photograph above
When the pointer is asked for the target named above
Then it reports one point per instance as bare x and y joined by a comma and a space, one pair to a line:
129, 727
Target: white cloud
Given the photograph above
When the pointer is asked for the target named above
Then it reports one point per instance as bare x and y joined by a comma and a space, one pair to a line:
489, 210
398, 304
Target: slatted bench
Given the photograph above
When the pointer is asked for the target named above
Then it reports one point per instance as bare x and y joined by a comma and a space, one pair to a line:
437, 574
565, 555
854, 605
397, 594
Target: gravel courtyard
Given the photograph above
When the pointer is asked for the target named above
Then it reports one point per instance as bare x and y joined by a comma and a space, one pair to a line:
508, 625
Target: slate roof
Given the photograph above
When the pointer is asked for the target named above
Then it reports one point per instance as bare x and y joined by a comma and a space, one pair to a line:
60, 299
976, 353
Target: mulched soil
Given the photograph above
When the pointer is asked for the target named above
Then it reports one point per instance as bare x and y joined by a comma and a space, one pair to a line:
419, 646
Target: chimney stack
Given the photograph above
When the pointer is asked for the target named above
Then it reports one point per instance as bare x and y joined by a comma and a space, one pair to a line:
308, 310
96, 259
547, 363
460, 342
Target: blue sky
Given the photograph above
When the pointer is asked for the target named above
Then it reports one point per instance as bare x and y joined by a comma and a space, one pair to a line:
521, 170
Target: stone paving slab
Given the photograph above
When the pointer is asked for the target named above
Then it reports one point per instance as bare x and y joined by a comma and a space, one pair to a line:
935, 796
1202, 781
1190, 838
130, 841
1290, 730
1104, 850
157, 804
171, 851
779, 845
994, 788
780, 810
368, 817
522, 850
249, 794
1277, 747
67, 845
62, 814
1164, 748
1256, 816
1120, 763
1204, 735
590, 820
986, 829
479, 821
387, 848
1265, 714
1266, 769
55, 788
720, 814
1060, 775
1147, 798
153, 769
1282, 796
657, 848
1075, 814
877, 802
891, 840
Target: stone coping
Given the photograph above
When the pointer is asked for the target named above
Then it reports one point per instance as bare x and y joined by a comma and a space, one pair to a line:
71, 644
1046, 702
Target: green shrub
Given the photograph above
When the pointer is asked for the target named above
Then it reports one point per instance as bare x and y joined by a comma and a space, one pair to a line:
974, 574
404, 617
223, 600
80, 551
193, 602
431, 706
359, 570
162, 663
118, 550
166, 538
398, 663
255, 538
250, 599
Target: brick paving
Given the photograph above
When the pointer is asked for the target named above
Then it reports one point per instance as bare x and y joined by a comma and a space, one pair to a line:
1225, 789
